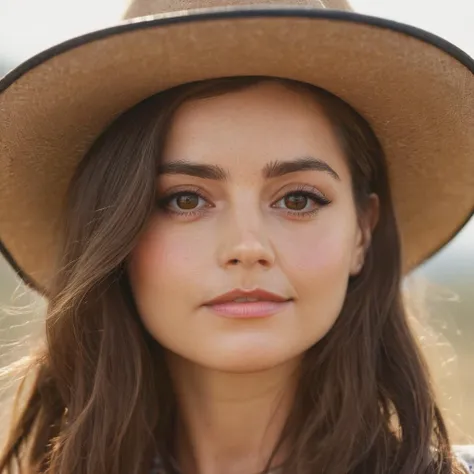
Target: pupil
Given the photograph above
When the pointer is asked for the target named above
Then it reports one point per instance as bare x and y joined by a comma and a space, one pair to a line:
296, 202
187, 201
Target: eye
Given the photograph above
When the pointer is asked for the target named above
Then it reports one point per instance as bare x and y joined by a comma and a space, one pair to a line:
187, 201
296, 201
184, 203
302, 202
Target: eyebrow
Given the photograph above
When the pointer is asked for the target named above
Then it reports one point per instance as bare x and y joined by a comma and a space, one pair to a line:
271, 170
213, 172
280, 168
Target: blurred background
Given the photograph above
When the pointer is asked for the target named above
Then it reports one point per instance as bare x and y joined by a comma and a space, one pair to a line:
440, 294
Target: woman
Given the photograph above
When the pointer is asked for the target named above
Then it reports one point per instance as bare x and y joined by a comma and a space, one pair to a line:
221, 254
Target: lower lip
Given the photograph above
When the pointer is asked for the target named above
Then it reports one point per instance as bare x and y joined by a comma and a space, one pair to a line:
255, 309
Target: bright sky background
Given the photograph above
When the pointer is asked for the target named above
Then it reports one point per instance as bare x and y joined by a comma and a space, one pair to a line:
29, 26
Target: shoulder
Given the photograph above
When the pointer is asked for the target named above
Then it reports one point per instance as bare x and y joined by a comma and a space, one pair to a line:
465, 454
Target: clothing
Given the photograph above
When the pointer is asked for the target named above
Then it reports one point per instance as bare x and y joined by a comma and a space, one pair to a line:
465, 455
158, 468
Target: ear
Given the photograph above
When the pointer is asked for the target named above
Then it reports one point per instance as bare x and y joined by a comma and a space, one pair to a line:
366, 226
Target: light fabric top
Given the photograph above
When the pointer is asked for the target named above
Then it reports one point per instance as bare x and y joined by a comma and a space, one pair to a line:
465, 454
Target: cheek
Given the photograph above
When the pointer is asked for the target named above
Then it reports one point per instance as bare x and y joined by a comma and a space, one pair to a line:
316, 252
163, 257
317, 262
163, 270
313, 257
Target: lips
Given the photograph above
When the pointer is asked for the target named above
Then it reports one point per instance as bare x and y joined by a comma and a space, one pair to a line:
250, 295
248, 304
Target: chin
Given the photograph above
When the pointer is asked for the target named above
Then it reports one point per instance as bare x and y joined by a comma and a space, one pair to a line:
246, 356
247, 364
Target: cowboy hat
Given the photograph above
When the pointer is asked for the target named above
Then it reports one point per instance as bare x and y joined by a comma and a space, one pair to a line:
415, 89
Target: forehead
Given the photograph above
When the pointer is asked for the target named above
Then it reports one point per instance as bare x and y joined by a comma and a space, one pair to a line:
248, 128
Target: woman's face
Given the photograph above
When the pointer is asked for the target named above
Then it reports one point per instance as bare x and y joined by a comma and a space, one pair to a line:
254, 194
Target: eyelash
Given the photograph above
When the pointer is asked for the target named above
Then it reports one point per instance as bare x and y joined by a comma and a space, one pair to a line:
308, 192
165, 201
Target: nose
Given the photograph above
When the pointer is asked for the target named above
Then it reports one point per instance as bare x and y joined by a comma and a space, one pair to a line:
245, 242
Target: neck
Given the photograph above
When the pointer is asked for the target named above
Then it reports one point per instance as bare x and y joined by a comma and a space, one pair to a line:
230, 423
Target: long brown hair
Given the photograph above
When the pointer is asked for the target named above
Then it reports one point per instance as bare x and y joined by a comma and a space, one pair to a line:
102, 401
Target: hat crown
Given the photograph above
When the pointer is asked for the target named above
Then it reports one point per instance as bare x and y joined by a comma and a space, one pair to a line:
139, 8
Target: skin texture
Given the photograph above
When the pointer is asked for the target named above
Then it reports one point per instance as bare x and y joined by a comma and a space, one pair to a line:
235, 377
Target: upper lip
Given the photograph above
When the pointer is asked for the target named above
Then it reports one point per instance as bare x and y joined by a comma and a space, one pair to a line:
261, 295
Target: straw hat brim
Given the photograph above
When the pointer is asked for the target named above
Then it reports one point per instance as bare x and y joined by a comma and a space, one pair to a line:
415, 89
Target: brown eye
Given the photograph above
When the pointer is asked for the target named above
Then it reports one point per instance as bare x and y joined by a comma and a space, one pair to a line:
187, 202
302, 203
296, 202
184, 203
